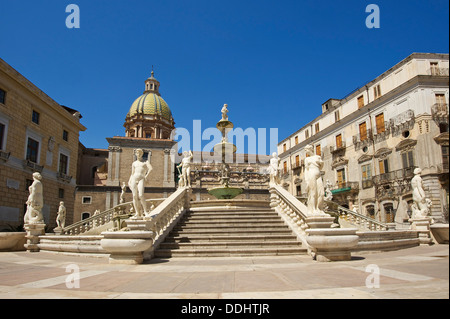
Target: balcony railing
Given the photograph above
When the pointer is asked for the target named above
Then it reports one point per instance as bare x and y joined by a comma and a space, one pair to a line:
33, 166
4, 155
337, 148
438, 71
63, 177
394, 175
344, 187
439, 111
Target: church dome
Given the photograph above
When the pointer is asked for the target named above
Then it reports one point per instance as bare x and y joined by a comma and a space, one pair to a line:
149, 115
150, 103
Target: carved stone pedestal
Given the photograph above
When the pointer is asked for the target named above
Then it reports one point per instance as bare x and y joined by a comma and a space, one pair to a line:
57, 230
127, 247
422, 226
33, 233
332, 244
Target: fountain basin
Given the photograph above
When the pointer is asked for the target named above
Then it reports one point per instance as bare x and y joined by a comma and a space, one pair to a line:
225, 192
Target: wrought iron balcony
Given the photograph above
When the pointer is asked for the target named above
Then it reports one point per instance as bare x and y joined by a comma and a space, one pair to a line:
4, 155
399, 174
337, 148
63, 177
344, 187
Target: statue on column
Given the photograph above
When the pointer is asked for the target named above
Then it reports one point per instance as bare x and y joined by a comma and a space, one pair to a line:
139, 174
35, 201
273, 169
225, 112
185, 165
314, 183
422, 204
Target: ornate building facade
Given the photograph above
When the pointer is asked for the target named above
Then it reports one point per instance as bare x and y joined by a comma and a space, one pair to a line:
36, 135
372, 139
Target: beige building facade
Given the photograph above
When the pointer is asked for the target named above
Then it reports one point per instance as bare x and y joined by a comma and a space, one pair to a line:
36, 135
372, 139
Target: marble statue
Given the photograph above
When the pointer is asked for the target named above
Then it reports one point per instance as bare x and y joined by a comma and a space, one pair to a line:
273, 169
35, 201
314, 183
185, 177
422, 204
328, 193
124, 189
61, 217
225, 112
139, 174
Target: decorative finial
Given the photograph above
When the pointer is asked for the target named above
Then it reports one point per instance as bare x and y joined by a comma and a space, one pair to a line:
152, 70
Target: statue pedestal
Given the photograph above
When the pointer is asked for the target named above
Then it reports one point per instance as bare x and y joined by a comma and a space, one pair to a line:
127, 247
57, 230
329, 244
422, 226
33, 233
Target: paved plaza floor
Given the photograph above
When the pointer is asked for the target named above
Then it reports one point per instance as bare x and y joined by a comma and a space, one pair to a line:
416, 273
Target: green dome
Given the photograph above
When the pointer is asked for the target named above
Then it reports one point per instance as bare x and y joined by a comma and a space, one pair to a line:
150, 103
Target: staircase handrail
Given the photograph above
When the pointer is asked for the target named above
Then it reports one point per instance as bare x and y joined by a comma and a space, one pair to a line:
359, 219
100, 219
294, 212
164, 217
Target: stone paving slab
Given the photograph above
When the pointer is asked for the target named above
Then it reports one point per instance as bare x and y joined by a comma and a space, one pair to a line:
415, 273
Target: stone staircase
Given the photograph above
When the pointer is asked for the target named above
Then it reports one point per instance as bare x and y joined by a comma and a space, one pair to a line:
230, 231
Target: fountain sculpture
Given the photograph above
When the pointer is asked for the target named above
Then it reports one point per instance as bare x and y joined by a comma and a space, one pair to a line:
226, 150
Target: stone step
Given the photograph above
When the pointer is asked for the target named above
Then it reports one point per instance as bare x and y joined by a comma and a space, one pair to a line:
278, 251
230, 244
230, 215
231, 238
225, 225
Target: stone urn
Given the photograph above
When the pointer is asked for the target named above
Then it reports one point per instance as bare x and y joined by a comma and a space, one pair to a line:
126, 247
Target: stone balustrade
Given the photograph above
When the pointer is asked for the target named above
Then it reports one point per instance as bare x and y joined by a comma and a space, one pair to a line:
360, 221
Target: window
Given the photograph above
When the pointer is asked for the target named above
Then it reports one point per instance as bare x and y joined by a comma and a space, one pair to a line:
2, 96
360, 101
296, 140
35, 117
65, 135
28, 183
86, 199
2, 134
297, 160
32, 150
377, 91
63, 163
93, 171
366, 171
389, 213
285, 167
299, 190
379, 120
284, 147
383, 165
338, 141
61, 193
370, 211
306, 134
408, 159
318, 151
341, 177
362, 131
445, 156
337, 116
85, 215
440, 99
317, 128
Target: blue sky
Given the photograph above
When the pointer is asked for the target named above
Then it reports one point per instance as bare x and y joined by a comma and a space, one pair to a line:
273, 62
